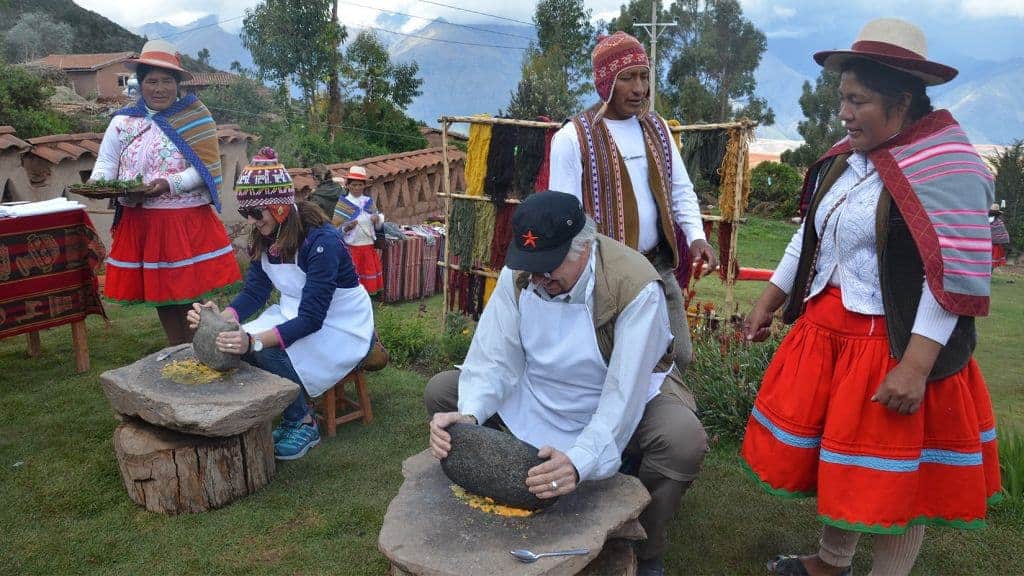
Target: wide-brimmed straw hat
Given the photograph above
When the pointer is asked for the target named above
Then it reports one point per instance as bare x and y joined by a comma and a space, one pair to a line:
356, 173
895, 43
160, 54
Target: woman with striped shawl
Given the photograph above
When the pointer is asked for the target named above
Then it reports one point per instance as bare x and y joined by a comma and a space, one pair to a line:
873, 402
169, 247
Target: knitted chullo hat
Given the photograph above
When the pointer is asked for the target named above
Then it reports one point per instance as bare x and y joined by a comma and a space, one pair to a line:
265, 183
611, 56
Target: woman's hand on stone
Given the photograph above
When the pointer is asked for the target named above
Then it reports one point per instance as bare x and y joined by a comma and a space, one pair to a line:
233, 342
556, 477
440, 440
192, 316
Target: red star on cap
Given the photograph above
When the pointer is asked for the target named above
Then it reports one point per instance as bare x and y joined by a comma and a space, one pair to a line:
529, 240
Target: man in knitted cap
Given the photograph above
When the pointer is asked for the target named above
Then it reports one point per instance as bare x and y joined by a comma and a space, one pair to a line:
618, 159
573, 354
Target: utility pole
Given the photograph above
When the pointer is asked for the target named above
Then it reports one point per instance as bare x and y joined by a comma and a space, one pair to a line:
654, 28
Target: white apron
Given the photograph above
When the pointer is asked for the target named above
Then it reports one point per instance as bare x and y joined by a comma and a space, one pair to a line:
565, 372
327, 355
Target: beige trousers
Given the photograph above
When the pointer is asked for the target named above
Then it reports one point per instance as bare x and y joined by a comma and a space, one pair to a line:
669, 441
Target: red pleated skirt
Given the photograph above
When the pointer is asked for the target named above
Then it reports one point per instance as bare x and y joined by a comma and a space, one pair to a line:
815, 431
169, 256
998, 255
368, 267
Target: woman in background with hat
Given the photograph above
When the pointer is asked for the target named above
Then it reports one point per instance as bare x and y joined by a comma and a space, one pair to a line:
360, 230
873, 401
169, 247
323, 326
1000, 236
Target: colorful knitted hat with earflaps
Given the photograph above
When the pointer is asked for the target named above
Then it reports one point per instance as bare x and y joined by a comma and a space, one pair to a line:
612, 55
264, 182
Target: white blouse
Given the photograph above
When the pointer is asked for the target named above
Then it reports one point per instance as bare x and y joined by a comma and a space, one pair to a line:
848, 258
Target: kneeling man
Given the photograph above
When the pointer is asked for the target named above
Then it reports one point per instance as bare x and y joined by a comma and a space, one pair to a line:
573, 354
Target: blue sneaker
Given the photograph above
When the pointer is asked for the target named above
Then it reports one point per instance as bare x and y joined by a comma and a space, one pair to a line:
282, 429
296, 442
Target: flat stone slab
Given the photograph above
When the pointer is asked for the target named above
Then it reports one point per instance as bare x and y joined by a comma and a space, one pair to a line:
427, 531
235, 402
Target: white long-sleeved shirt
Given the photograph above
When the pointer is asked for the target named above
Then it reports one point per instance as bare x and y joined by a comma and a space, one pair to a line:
496, 363
567, 176
137, 147
848, 257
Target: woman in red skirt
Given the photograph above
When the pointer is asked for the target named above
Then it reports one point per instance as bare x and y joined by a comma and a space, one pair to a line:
169, 247
873, 402
361, 231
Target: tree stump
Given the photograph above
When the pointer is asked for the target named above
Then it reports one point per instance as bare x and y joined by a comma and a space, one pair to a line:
171, 472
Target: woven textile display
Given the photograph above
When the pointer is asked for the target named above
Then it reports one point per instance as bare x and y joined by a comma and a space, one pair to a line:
476, 158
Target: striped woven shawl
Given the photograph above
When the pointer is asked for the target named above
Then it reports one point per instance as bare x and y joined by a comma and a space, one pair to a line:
943, 190
607, 189
190, 126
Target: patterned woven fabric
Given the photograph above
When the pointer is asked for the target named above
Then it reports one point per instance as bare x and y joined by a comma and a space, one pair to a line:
264, 182
611, 56
607, 189
190, 126
943, 190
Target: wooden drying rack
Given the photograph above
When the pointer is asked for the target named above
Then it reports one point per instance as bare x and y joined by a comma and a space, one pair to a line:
730, 281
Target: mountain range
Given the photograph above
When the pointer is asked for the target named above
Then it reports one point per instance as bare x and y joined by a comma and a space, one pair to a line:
472, 70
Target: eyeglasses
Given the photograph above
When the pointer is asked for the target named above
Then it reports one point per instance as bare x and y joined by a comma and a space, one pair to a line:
254, 213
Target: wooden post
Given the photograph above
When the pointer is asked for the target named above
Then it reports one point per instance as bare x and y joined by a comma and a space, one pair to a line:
33, 344
447, 220
80, 345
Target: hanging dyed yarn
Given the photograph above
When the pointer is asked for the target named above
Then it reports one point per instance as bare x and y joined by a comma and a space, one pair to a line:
738, 140
677, 137
501, 162
489, 285
476, 158
502, 236
483, 233
544, 173
702, 154
725, 251
461, 229
530, 148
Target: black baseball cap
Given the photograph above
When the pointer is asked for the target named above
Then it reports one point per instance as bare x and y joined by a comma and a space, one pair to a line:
543, 227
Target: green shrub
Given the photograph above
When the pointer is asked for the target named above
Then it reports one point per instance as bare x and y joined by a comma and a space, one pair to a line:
1011, 463
726, 372
23, 104
777, 185
407, 338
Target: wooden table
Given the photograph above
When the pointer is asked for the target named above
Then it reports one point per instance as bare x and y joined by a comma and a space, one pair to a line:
47, 277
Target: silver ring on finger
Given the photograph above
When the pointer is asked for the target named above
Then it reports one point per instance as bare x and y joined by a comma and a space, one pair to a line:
554, 485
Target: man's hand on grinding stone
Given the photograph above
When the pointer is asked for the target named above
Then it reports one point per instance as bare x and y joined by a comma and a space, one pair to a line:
440, 440
556, 477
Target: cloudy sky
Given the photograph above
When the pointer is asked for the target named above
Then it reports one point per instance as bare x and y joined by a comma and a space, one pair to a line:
775, 17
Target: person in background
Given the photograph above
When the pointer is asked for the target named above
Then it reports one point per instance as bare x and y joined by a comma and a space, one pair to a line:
618, 158
873, 401
169, 247
360, 230
327, 190
574, 355
322, 327
1000, 236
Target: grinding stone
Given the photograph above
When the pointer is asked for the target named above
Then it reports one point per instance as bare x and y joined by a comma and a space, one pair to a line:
205, 341
491, 463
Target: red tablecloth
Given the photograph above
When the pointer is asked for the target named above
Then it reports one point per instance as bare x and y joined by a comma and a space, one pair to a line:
47, 271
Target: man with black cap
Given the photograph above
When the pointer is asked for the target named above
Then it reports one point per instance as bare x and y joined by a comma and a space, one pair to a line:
618, 158
574, 354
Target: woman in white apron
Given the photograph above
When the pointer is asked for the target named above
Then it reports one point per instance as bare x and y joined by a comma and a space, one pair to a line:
323, 325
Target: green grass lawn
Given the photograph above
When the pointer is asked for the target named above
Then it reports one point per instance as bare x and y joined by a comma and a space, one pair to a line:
65, 511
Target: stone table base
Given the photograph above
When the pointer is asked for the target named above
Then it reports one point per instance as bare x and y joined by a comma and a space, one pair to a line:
171, 472
429, 532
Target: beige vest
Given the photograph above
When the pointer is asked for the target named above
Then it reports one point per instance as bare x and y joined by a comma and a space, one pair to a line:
620, 273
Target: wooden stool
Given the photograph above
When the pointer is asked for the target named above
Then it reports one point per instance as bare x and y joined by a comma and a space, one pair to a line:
339, 408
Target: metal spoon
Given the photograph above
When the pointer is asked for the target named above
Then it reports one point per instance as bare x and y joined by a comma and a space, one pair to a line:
530, 557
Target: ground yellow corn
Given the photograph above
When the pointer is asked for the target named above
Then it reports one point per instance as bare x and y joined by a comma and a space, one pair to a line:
190, 371
485, 504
